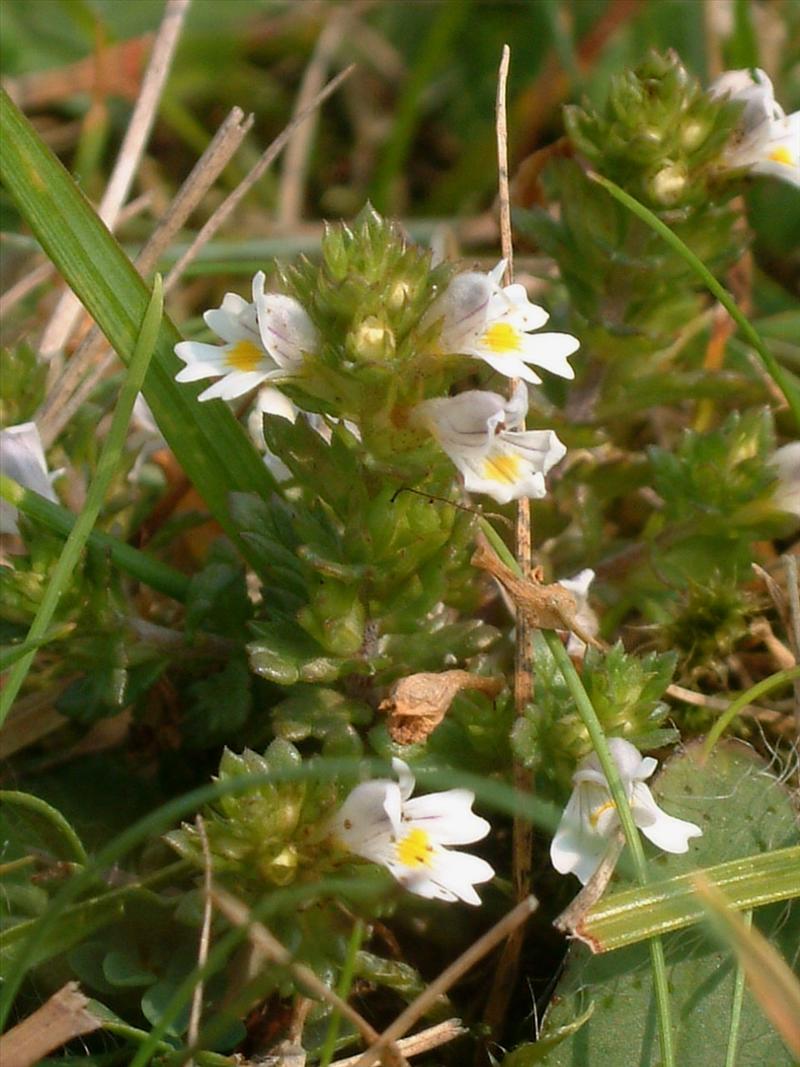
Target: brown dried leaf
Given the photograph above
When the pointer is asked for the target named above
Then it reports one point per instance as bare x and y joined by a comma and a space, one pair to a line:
417, 704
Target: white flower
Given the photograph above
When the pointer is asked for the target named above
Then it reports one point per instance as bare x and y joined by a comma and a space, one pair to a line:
264, 340
786, 463
484, 435
22, 458
766, 140
590, 817
493, 323
579, 586
379, 822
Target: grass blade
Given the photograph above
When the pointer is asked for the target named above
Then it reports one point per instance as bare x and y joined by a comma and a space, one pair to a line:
672, 904
137, 564
783, 380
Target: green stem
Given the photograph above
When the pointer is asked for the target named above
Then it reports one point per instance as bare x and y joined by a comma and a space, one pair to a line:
741, 702
736, 1006
787, 386
106, 467
619, 796
27, 802
61, 521
343, 989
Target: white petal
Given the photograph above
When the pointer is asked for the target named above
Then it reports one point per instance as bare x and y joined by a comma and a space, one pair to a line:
405, 777
234, 321
786, 463
461, 421
628, 759
551, 351
579, 584
237, 383
286, 330
450, 876
509, 365
462, 308
22, 458
447, 817
574, 850
202, 360
665, 831
362, 823
271, 401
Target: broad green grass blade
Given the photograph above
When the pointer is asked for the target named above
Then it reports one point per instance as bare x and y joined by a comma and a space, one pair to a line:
635, 914
212, 448
769, 977
106, 467
137, 564
782, 379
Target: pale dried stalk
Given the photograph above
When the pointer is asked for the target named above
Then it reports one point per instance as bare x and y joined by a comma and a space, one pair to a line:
424, 1041
193, 1030
65, 316
522, 832
295, 163
439, 986
705, 700
231, 202
67, 395
59, 1020
238, 913
573, 915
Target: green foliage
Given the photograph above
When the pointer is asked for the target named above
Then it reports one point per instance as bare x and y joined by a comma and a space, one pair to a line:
22, 387
624, 689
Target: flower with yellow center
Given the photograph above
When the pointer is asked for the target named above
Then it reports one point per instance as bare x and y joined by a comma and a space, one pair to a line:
590, 818
766, 140
480, 318
263, 341
484, 435
380, 822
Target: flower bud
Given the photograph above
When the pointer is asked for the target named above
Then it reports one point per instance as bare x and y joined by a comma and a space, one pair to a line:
668, 184
372, 341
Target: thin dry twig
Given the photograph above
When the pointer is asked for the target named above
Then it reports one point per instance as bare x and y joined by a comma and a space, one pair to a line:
231, 202
69, 393
573, 915
193, 1029
295, 163
59, 1020
238, 913
424, 1041
449, 976
522, 833
705, 700
58, 330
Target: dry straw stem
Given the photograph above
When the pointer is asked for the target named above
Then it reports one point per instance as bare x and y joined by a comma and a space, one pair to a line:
793, 591
705, 700
60, 326
515, 919
69, 392
424, 1041
61, 1019
239, 914
522, 832
769, 977
295, 164
193, 1029
573, 915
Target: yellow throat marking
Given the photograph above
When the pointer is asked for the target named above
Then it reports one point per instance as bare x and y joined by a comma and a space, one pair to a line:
244, 355
415, 849
599, 812
502, 469
782, 155
502, 338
